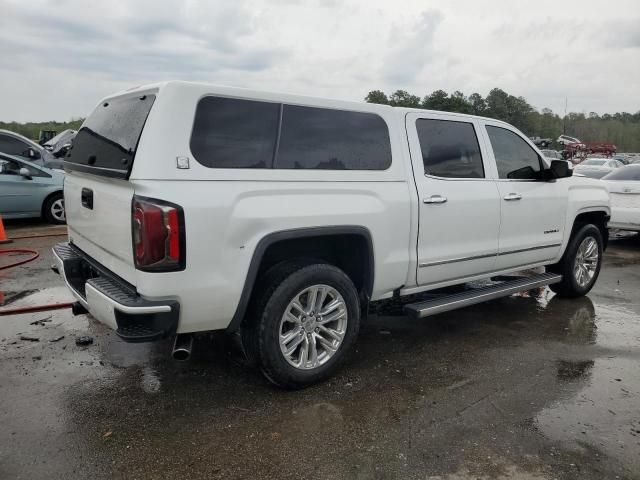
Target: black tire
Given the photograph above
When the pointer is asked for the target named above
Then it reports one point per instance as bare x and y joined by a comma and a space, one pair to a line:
569, 286
261, 329
51, 211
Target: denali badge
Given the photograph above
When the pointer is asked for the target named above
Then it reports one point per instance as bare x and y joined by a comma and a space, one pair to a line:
555, 230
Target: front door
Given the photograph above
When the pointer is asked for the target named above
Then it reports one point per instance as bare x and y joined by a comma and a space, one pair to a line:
459, 206
19, 195
533, 210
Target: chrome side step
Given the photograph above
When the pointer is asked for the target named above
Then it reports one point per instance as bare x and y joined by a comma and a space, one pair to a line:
479, 295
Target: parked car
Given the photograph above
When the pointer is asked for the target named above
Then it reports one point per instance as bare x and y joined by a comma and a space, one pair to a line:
60, 144
280, 217
541, 142
551, 155
624, 191
567, 140
597, 167
622, 159
30, 190
17, 145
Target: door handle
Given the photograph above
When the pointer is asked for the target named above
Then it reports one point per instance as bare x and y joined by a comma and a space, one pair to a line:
86, 197
435, 199
513, 196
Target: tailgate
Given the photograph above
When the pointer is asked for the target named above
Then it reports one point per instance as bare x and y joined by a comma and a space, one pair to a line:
104, 231
97, 191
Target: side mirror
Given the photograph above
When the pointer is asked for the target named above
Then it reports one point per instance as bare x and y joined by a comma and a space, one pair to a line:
560, 169
33, 154
24, 172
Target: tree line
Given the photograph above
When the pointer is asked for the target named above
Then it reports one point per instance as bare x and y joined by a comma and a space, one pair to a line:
621, 129
32, 129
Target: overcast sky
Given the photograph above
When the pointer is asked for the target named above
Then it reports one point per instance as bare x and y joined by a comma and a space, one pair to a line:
58, 58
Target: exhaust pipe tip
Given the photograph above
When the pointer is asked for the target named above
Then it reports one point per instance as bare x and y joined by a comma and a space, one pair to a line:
182, 347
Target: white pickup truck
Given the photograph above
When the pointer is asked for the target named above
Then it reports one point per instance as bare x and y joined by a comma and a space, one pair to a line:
194, 207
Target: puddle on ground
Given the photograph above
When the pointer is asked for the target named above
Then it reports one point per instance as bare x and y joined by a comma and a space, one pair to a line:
10, 297
30, 298
45, 326
603, 414
573, 370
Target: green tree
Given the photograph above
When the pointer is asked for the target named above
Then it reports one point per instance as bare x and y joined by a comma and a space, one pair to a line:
478, 104
377, 96
438, 100
402, 98
620, 128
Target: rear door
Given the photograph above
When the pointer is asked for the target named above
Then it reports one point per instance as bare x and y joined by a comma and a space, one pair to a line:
533, 211
98, 194
459, 212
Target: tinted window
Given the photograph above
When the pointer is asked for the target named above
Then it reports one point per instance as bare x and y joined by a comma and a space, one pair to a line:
230, 133
515, 158
449, 149
107, 141
631, 172
13, 146
11, 167
321, 138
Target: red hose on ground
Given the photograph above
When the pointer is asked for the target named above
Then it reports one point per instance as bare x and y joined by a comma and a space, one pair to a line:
33, 253
33, 308
41, 235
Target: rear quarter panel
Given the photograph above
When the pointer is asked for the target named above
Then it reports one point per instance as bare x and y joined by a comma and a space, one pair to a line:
224, 222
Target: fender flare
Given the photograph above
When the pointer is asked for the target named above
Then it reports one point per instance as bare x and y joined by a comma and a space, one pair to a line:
298, 233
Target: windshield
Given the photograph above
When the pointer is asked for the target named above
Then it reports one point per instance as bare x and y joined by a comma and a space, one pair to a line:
107, 141
594, 161
629, 173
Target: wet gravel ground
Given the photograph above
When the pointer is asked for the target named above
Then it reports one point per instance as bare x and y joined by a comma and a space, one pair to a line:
516, 388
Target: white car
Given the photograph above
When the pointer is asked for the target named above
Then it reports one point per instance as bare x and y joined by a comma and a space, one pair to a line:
194, 207
624, 190
597, 167
567, 140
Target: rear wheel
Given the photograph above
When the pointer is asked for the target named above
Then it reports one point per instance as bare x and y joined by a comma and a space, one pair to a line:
303, 324
54, 209
580, 264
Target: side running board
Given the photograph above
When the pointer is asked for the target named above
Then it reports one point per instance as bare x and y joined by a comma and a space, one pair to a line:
478, 295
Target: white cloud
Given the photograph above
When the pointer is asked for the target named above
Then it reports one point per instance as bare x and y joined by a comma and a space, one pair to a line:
58, 58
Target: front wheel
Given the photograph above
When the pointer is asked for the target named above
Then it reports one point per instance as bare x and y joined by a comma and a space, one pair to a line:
305, 322
580, 264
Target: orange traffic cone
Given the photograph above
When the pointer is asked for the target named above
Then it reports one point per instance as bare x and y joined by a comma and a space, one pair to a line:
3, 235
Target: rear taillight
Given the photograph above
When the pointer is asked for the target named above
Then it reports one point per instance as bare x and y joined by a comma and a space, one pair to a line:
158, 235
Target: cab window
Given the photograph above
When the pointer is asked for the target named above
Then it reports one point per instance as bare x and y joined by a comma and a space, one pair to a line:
449, 149
515, 158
